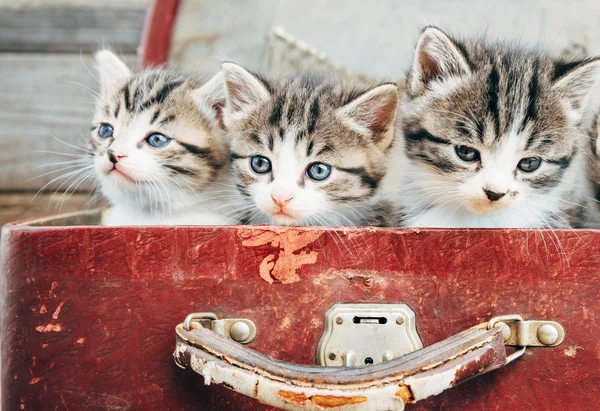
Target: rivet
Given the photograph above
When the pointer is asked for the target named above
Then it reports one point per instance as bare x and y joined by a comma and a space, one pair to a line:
399, 320
547, 334
505, 330
332, 356
239, 331
339, 320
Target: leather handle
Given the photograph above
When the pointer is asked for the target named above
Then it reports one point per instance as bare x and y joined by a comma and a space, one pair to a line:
384, 386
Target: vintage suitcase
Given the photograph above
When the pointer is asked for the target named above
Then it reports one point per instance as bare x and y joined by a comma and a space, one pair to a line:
92, 313
95, 317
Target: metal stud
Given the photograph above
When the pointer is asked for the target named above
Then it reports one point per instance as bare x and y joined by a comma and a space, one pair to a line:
547, 334
240, 331
505, 330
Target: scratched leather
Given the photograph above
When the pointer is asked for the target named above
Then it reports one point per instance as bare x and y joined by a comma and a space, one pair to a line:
90, 313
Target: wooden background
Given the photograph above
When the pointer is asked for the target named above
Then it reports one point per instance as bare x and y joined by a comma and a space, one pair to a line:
46, 63
46, 66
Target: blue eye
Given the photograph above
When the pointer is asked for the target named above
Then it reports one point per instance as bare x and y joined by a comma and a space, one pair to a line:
260, 164
467, 154
105, 131
158, 140
529, 164
318, 171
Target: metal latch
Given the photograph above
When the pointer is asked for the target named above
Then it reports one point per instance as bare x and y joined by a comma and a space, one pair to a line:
241, 330
359, 334
527, 333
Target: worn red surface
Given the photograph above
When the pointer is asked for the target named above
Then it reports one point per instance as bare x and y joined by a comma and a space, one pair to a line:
90, 311
156, 37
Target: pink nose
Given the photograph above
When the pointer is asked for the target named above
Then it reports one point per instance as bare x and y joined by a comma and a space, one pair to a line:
281, 201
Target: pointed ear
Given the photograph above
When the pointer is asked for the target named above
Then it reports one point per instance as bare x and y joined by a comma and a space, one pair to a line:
245, 92
113, 72
437, 57
575, 81
373, 114
210, 99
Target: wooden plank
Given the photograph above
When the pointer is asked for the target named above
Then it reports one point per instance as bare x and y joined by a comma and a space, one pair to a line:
21, 206
376, 39
205, 32
43, 96
71, 29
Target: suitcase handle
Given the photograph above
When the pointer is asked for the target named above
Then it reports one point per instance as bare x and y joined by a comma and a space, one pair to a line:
384, 386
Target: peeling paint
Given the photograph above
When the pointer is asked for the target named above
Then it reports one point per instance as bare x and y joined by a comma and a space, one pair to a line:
331, 401
43, 309
80, 341
35, 380
49, 328
571, 351
404, 393
297, 398
57, 311
283, 265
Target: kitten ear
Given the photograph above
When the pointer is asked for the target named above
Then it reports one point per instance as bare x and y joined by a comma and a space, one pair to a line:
437, 56
244, 91
113, 71
373, 114
575, 81
210, 100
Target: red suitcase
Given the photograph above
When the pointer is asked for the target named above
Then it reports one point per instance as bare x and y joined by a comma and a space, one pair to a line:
90, 315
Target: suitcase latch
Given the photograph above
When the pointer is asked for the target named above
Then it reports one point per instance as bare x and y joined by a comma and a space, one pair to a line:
359, 334
241, 330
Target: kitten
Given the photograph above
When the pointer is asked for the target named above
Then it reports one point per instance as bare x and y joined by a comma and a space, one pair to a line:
306, 149
493, 136
594, 163
159, 153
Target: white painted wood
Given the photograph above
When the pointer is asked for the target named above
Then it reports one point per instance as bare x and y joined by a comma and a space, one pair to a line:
71, 29
42, 95
375, 38
25, 206
208, 31
44, 4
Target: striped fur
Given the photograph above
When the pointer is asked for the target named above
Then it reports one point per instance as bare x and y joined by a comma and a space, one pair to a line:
176, 183
508, 104
301, 120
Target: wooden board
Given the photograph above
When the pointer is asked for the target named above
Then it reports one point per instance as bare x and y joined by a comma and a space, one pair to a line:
21, 206
43, 95
75, 29
376, 39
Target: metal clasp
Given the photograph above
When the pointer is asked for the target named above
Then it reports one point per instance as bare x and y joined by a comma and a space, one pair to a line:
527, 333
363, 334
241, 330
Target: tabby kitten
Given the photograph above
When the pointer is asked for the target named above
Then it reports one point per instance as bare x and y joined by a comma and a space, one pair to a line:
594, 163
494, 136
159, 153
307, 150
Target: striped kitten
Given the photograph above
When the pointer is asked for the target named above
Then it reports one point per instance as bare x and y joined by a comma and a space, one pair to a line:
158, 151
307, 150
494, 136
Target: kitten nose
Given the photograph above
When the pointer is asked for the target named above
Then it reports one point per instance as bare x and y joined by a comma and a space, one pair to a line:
492, 195
114, 158
281, 201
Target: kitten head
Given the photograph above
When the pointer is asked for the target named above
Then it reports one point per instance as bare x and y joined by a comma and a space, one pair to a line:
491, 127
306, 149
156, 134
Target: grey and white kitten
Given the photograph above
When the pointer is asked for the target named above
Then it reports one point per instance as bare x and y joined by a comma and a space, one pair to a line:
158, 149
306, 149
494, 136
